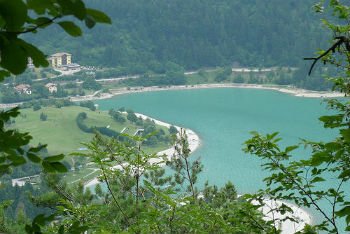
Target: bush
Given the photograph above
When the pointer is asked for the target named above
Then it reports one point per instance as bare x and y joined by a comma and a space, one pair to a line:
239, 79
36, 107
223, 74
92, 84
132, 117
43, 117
88, 104
172, 130
117, 116
103, 130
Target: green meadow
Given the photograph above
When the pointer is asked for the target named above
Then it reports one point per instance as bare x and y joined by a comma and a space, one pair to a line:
61, 133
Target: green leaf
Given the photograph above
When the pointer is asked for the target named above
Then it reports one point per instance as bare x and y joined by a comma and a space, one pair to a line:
59, 167
43, 22
14, 13
39, 219
17, 161
317, 179
344, 174
39, 6
3, 74
13, 57
2, 159
71, 28
343, 212
254, 133
54, 158
61, 229
39, 58
33, 157
28, 229
37, 149
319, 158
291, 148
89, 21
98, 16
47, 166
76, 228
332, 146
346, 134
74, 7
4, 167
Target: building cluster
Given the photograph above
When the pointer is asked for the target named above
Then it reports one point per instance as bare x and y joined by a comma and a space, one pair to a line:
62, 61
26, 89
52, 87
23, 89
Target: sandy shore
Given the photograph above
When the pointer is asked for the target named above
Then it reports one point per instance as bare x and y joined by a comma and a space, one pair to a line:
289, 90
192, 137
287, 226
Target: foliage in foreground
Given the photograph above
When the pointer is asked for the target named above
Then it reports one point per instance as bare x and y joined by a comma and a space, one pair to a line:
19, 17
137, 195
304, 181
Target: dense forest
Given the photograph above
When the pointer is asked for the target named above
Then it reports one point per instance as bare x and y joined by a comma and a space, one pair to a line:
145, 34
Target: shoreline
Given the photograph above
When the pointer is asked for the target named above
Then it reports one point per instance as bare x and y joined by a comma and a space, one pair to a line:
194, 143
192, 137
139, 89
287, 226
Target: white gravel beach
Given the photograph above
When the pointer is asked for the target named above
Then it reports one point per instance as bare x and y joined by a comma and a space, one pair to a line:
287, 226
289, 90
192, 137
115, 92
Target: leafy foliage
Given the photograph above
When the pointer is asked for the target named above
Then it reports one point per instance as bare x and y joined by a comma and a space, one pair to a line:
19, 17
302, 181
139, 197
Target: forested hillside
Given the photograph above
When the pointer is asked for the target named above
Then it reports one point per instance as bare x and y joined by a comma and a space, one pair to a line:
146, 34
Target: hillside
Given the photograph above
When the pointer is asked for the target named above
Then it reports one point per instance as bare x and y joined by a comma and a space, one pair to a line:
145, 34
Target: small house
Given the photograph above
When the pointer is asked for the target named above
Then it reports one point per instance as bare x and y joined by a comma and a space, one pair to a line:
23, 89
52, 87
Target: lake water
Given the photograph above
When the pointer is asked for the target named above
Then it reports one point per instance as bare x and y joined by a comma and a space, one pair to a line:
223, 118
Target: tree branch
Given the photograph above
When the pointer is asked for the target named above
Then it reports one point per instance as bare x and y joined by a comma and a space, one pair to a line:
313, 202
114, 198
340, 41
39, 25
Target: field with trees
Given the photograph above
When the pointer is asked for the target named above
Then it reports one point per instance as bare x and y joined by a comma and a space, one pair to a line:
60, 131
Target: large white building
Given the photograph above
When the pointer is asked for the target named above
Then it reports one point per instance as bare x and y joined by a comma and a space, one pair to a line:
60, 59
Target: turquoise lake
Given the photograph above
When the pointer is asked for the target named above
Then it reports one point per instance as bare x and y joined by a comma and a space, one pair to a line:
223, 118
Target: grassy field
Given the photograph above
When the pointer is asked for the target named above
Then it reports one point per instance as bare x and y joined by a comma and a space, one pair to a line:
61, 132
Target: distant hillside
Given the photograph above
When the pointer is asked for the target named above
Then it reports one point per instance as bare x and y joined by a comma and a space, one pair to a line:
146, 34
